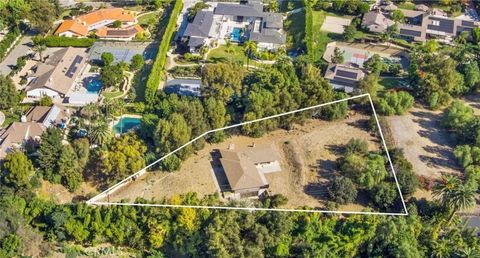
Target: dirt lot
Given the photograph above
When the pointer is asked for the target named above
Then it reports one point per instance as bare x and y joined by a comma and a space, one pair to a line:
426, 145
61, 195
335, 24
308, 160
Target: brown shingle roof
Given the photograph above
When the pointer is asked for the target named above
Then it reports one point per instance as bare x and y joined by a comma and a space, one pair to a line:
241, 173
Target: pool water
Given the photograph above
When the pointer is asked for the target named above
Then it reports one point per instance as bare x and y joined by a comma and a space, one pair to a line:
126, 124
94, 85
236, 34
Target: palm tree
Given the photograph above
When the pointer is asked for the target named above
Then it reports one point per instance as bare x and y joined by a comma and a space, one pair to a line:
39, 48
455, 194
249, 47
101, 134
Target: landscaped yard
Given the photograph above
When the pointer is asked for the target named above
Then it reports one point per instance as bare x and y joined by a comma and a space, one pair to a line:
150, 19
321, 38
221, 54
110, 95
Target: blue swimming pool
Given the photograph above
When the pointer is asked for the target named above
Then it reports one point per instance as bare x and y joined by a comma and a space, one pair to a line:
236, 34
94, 85
126, 124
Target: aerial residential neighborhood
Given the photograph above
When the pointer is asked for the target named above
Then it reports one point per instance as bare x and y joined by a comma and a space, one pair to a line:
239, 128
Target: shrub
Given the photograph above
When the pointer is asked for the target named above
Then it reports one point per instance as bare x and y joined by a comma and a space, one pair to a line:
356, 146
45, 101
8, 41
342, 190
384, 195
159, 63
61, 41
395, 103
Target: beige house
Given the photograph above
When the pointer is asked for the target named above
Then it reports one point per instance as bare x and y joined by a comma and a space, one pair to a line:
31, 127
245, 169
56, 76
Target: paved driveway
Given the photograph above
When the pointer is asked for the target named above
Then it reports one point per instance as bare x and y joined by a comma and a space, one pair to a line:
23, 48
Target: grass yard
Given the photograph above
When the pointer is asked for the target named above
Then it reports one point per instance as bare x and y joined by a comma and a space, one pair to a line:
295, 26
150, 19
221, 54
111, 95
321, 38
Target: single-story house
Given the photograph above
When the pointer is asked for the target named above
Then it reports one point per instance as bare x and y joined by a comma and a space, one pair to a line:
82, 25
31, 127
56, 76
245, 169
343, 77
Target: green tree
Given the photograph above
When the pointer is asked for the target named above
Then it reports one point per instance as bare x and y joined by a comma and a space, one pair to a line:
349, 32
17, 170
45, 101
369, 84
192, 11
375, 64
9, 97
82, 150
458, 116
49, 153
337, 57
69, 169
384, 195
11, 246
40, 49
250, 49
137, 62
100, 134
398, 16
42, 14
123, 157
476, 35
222, 81
171, 134
342, 190
455, 194
111, 76
217, 117
472, 75
107, 58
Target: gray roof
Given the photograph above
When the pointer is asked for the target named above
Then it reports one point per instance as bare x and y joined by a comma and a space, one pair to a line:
196, 42
251, 9
268, 36
200, 27
273, 20
445, 25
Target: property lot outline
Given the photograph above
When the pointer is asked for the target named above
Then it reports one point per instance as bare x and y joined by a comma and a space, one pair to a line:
107, 192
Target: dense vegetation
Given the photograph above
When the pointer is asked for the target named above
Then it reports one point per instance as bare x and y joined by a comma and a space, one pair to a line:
7, 41
58, 41
157, 72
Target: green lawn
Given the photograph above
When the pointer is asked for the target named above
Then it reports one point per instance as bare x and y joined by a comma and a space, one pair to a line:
145, 19
321, 38
220, 54
390, 83
110, 95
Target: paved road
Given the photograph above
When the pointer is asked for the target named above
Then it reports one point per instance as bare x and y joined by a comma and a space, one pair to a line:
23, 48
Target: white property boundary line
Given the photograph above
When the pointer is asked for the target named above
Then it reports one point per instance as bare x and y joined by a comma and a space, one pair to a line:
106, 193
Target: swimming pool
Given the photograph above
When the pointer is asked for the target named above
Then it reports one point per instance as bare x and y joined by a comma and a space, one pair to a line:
94, 85
236, 33
126, 124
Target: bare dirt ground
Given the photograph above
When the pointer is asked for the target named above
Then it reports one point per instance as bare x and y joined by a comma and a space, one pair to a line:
308, 154
61, 195
425, 143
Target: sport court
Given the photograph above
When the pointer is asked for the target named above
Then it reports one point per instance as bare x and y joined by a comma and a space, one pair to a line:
358, 53
123, 51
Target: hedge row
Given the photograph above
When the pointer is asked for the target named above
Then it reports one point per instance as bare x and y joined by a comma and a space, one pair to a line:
8, 41
62, 41
159, 63
309, 29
